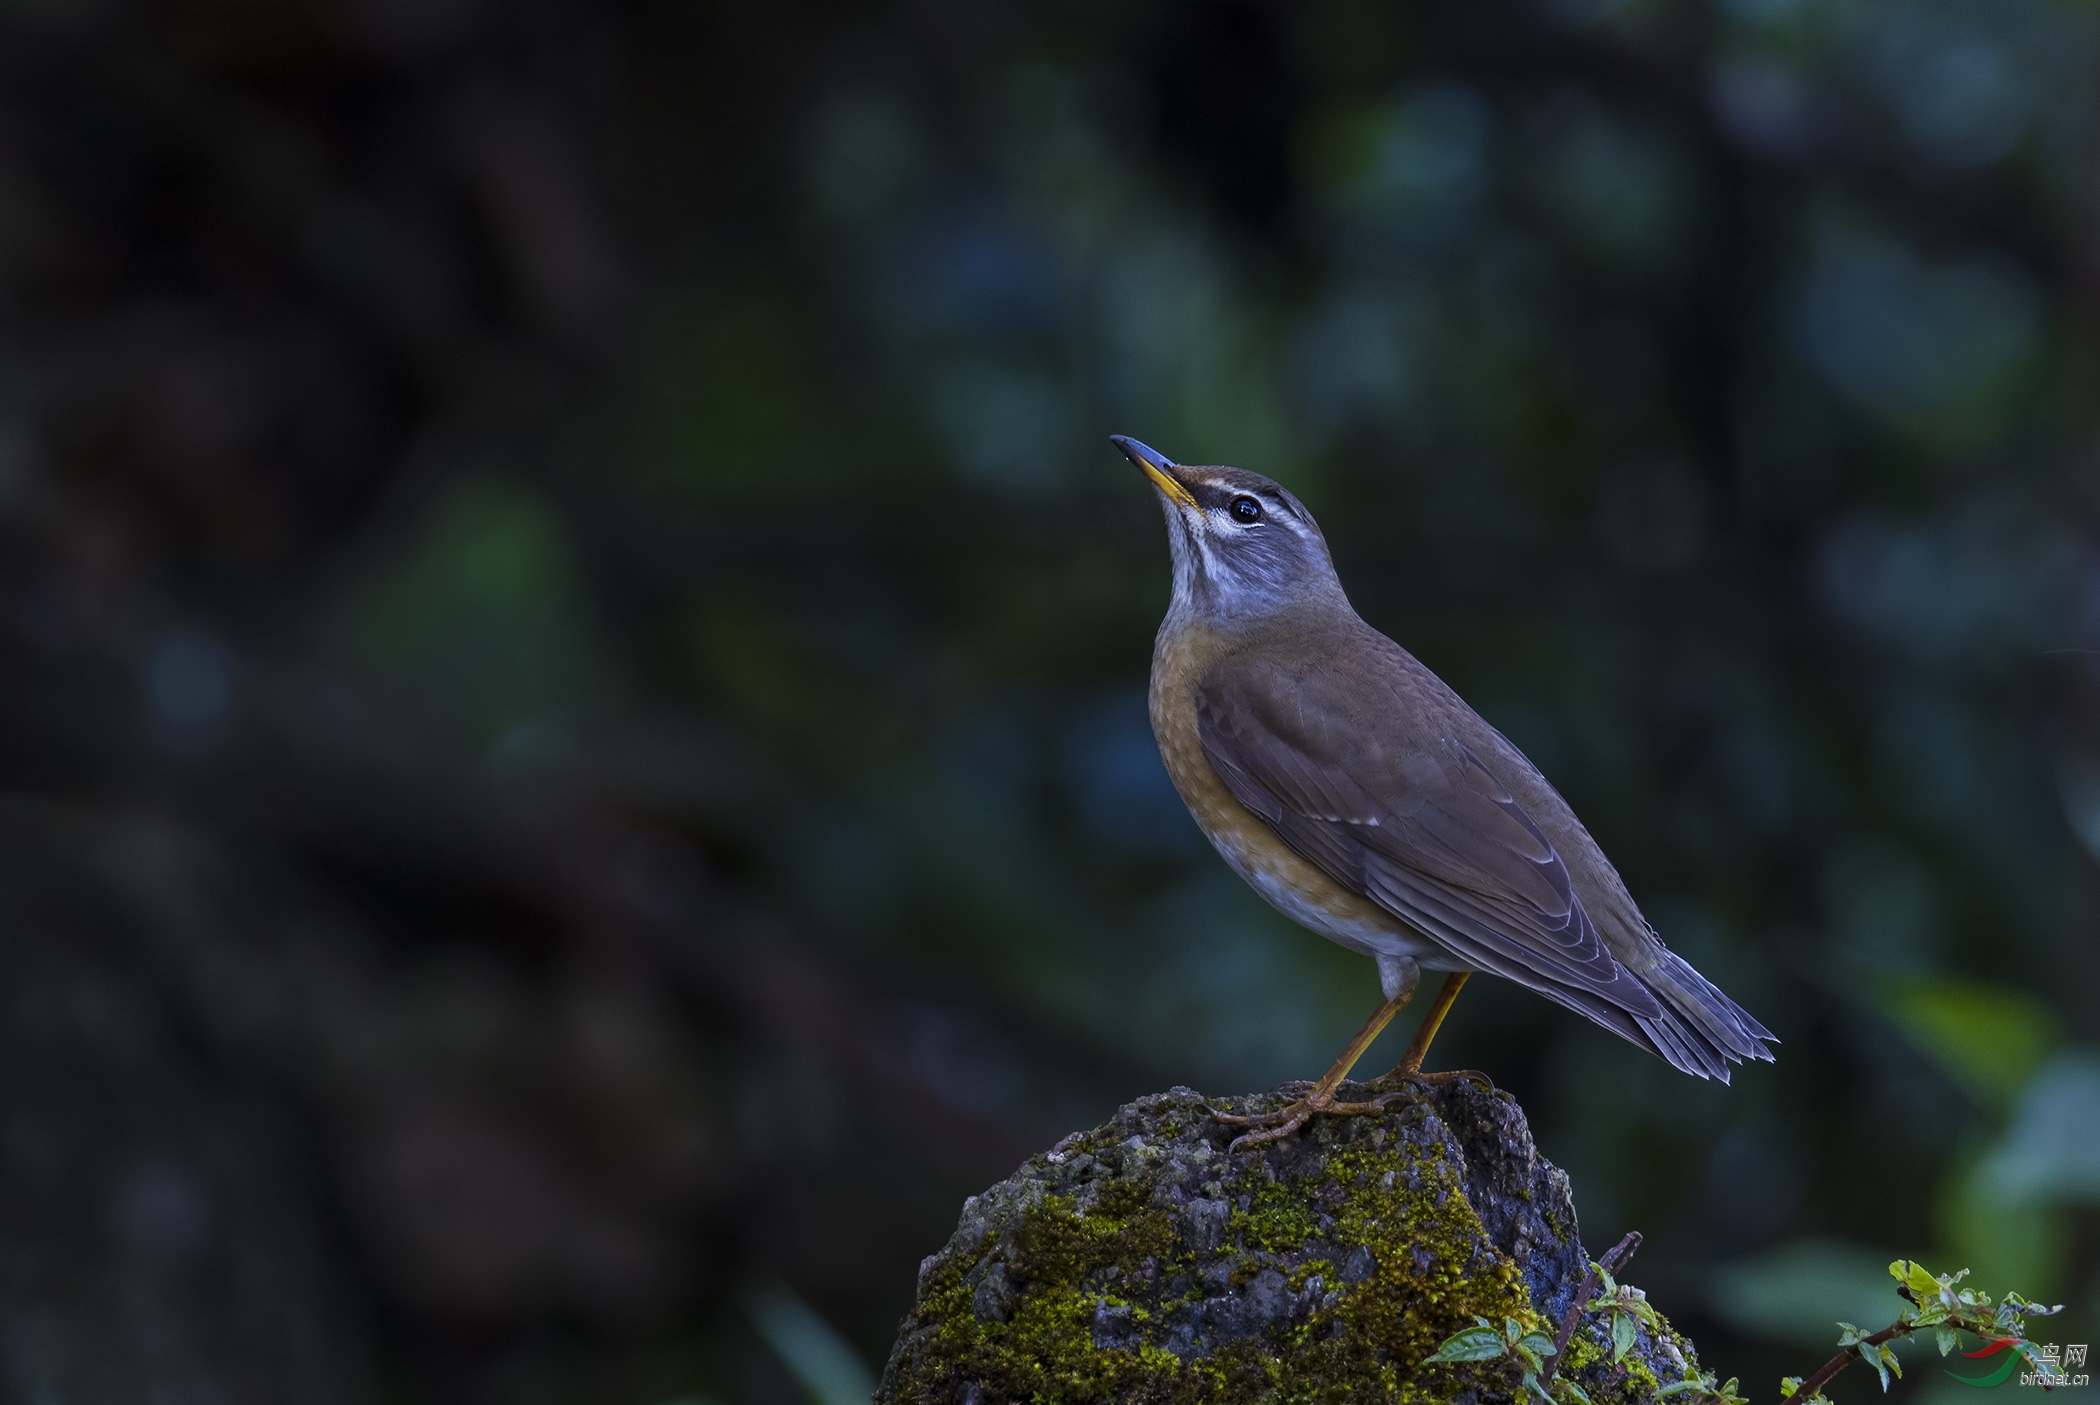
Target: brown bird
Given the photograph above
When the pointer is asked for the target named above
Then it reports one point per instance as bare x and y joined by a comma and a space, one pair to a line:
1364, 800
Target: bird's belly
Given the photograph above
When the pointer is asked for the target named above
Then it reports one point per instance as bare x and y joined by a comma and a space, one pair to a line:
1292, 885
1335, 913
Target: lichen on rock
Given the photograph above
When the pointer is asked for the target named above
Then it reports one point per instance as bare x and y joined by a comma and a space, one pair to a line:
1144, 1262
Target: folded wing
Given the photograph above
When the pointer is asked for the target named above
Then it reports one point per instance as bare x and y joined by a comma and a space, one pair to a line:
1371, 794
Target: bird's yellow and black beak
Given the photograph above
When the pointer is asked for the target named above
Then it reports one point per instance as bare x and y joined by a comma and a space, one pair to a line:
1158, 467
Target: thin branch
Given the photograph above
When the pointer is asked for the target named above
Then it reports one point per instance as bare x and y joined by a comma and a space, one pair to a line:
1809, 1386
1615, 1259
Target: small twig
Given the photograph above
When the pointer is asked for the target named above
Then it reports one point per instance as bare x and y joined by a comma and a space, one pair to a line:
1615, 1259
1813, 1383
1808, 1387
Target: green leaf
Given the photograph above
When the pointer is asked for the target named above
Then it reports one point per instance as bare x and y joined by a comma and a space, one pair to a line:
1882, 1360
1787, 1387
1481, 1343
1576, 1392
1703, 1383
1947, 1338
1622, 1335
1537, 1342
1915, 1277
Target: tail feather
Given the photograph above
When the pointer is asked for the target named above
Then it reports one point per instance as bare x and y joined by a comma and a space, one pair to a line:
1701, 1030
1726, 1025
1698, 1030
1683, 1048
1689, 1024
1666, 1034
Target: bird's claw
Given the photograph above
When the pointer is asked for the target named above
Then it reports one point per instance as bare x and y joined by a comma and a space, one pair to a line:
1406, 1076
1254, 1119
1275, 1126
1277, 1133
1308, 1097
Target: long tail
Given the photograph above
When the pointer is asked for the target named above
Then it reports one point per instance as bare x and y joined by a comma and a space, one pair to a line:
1700, 1030
1695, 1028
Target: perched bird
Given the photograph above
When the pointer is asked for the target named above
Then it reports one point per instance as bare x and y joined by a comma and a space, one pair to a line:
1364, 800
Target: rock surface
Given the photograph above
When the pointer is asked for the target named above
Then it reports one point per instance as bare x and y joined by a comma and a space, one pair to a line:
1142, 1261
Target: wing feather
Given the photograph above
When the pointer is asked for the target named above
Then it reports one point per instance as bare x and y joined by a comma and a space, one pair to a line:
1389, 784
1418, 824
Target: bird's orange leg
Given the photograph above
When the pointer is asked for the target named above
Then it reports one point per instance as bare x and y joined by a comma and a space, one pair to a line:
1409, 1069
1279, 1124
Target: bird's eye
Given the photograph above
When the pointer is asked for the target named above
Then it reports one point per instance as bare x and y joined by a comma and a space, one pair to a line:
1246, 510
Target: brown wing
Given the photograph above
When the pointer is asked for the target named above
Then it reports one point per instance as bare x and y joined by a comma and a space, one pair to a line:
1360, 782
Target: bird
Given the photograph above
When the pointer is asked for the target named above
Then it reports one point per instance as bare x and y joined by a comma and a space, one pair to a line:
1364, 800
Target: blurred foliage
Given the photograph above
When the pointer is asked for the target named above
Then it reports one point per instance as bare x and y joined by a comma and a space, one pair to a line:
1990, 1040
692, 418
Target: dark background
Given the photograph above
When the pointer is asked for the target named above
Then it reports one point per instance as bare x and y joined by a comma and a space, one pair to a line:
572, 647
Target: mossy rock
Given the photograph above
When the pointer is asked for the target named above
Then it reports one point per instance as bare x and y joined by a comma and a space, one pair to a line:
1143, 1262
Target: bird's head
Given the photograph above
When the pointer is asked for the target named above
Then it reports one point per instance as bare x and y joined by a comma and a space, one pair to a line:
1244, 547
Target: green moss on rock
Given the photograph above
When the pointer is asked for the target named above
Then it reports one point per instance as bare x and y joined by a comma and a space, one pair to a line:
1142, 1262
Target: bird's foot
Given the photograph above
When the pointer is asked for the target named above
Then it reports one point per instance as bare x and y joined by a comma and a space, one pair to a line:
1275, 1126
1404, 1076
